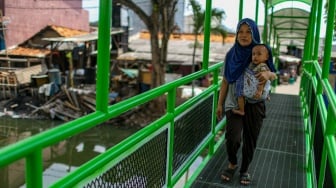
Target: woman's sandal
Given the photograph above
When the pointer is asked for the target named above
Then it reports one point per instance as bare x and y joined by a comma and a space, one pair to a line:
245, 179
227, 174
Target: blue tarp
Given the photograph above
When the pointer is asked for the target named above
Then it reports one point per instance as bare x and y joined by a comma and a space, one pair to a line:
2, 41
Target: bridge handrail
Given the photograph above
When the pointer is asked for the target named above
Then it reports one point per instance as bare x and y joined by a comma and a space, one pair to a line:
31, 148
322, 105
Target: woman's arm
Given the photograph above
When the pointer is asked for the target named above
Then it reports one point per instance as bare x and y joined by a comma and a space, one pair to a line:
221, 98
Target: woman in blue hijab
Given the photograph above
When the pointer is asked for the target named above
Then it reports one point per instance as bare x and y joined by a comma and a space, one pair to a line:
239, 56
236, 61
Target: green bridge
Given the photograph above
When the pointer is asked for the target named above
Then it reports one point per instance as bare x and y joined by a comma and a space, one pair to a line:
296, 148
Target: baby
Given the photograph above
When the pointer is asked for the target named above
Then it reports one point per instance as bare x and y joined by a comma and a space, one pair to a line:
246, 85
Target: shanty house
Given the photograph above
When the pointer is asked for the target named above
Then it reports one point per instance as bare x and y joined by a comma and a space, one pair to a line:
32, 57
27, 17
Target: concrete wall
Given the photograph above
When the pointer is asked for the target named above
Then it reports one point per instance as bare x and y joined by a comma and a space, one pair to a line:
27, 17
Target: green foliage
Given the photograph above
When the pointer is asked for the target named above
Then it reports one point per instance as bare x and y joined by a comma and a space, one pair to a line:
217, 16
199, 14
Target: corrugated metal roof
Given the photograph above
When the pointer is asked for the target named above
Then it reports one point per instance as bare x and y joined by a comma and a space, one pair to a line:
179, 52
50, 31
67, 32
27, 50
30, 52
81, 38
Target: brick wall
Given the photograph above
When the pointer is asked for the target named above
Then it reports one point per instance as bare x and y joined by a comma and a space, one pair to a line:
27, 17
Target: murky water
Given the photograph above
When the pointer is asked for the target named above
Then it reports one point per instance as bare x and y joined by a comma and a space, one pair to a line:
60, 158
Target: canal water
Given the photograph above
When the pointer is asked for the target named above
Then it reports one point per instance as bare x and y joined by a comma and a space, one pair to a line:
61, 158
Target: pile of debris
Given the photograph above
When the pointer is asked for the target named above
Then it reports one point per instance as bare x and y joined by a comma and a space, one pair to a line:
71, 103
66, 105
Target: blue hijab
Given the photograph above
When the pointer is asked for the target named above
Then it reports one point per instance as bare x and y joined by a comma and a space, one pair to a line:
270, 63
238, 57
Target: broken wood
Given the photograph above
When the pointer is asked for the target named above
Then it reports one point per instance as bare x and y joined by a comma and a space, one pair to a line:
89, 99
67, 104
65, 90
74, 97
88, 105
62, 112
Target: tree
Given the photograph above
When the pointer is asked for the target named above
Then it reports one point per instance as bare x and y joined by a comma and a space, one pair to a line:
198, 26
160, 21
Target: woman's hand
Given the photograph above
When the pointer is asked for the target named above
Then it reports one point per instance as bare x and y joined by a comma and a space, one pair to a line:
219, 112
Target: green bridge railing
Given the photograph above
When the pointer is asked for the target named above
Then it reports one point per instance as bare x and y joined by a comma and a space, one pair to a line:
162, 152
179, 137
169, 145
319, 101
319, 108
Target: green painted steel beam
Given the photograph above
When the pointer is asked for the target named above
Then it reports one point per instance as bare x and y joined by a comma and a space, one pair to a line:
290, 28
292, 17
288, 45
207, 33
271, 26
256, 13
298, 38
278, 23
276, 2
103, 58
241, 9
34, 169
265, 30
318, 5
328, 39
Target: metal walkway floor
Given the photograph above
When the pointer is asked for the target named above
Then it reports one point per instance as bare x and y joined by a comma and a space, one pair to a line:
279, 160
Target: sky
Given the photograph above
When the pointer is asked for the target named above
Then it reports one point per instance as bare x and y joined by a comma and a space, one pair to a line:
231, 8
92, 6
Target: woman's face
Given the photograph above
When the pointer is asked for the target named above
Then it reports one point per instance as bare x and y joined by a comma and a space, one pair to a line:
244, 37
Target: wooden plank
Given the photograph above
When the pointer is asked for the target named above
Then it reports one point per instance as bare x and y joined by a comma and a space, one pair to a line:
89, 99
64, 113
93, 108
74, 97
65, 90
24, 75
67, 104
